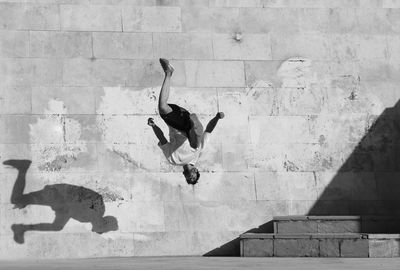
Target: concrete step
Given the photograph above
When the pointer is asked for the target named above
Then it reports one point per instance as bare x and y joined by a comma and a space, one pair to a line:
358, 245
336, 224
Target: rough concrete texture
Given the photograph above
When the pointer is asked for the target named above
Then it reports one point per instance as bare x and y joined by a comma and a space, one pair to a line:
257, 248
318, 226
288, 227
296, 247
319, 245
336, 224
329, 248
358, 248
301, 84
384, 248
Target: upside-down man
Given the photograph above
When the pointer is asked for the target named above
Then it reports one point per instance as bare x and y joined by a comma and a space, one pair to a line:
187, 138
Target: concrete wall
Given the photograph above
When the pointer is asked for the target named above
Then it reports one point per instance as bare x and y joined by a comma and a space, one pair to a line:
301, 83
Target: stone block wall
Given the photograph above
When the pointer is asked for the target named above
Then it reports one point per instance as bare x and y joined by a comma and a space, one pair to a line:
302, 83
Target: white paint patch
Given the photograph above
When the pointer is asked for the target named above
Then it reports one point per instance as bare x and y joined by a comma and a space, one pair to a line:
296, 72
123, 122
55, 136
123, 101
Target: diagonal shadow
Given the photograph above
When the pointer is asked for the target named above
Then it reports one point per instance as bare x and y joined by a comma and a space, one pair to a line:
367, 184
67, 201
232, 248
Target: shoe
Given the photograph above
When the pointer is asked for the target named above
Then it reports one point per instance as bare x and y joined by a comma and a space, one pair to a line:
220, 115
167, 67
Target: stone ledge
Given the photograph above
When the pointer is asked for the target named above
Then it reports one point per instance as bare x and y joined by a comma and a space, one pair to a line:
340, 236
317, 226
302, 218
342, 246
336, 224
257, 236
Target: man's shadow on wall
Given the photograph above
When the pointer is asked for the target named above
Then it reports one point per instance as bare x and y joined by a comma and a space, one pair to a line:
67, 201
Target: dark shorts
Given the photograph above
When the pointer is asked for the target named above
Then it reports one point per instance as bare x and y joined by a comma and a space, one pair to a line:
179, 118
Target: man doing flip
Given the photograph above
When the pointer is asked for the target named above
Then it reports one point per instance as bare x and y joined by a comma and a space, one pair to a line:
187, 138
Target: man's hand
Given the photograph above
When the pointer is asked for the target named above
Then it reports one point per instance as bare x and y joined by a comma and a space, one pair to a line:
213, 122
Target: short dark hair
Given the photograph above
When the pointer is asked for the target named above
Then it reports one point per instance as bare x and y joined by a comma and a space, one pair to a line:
193, 182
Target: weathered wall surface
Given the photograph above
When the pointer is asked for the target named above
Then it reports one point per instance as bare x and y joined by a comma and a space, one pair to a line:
301, 84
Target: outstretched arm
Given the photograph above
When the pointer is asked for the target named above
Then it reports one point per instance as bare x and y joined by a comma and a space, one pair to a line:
157, 131
213, 122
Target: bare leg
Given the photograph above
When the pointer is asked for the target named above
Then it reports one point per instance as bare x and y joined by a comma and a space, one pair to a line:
17, 197
163, 106
58, 224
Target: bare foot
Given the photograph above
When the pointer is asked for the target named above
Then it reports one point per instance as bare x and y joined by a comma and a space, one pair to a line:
167, 67
150, 122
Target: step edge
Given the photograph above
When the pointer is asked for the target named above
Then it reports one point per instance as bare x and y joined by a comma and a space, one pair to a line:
303, 235
321, 236
361, 218
384, 236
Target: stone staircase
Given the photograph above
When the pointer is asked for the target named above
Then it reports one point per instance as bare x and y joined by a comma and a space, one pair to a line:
325, 236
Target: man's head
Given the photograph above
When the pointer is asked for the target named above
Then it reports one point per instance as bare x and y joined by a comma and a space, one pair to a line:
191, 174
105, 224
